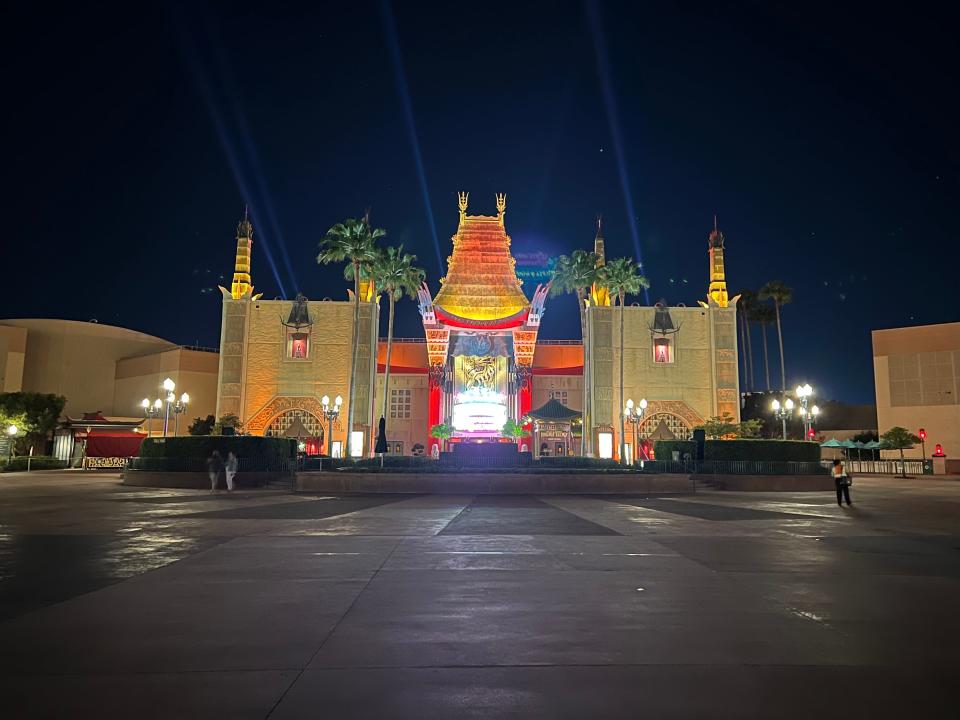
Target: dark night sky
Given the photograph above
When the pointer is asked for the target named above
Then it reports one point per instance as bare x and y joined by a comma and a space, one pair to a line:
825, 139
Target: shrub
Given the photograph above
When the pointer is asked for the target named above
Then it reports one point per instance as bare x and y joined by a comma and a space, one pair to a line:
663, 449
38, 462
260, 452
575, 461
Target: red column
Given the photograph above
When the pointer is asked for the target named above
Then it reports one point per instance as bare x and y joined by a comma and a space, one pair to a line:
433, 415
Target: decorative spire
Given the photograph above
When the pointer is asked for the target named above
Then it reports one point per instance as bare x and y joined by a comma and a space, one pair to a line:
599, 295
462, 198
242, 284
501, 206
717, 292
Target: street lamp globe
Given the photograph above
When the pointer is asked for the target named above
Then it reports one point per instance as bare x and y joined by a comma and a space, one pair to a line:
775, 405
145, 404
643, 403
158, 403
12, 430
171, 397
815, 410
338, 401
629, 405
325, 400
788, 404
185, 399
169, 385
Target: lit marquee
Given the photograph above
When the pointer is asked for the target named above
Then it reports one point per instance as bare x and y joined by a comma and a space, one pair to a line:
479, 410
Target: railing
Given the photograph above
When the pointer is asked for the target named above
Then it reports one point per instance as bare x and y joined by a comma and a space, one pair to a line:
559, 342
879, 467
200, 348
732, 467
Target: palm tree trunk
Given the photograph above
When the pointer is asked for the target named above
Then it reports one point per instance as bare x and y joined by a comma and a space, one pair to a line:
623, 430
386, 372
743, 347
783, 370
766, 362
903, 467
584, 338
356, 351
750, 354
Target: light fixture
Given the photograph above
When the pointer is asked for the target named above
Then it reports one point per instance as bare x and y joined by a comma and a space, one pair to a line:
169, 385
185, 399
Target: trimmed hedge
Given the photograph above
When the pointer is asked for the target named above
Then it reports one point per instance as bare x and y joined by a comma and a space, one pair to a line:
261, 452
576, 461
772, 450
663, 449
38, 462
768, 450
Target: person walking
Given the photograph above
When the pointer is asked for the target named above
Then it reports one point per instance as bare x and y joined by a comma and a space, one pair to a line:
231, 469
214, 466
842, 482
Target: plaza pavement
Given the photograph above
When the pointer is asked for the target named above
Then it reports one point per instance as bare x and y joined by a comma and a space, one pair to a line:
133, 602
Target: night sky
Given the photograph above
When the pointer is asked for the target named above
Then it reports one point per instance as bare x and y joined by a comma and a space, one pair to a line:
824, 139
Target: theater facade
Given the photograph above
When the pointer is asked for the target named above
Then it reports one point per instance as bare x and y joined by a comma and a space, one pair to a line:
480, 361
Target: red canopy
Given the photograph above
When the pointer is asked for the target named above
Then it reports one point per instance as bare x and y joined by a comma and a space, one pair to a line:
113, 443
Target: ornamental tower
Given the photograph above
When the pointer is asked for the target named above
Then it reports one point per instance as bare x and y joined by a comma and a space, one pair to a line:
242, 284
717, 293
599, 295
481, 331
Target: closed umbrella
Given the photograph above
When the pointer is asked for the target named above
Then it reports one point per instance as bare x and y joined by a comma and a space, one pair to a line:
381, 446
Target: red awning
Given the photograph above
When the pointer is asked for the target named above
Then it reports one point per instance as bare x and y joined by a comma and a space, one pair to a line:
113, 443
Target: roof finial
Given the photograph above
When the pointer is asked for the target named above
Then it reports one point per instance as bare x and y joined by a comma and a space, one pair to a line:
600, 225
462, 198
714, 222
501, 206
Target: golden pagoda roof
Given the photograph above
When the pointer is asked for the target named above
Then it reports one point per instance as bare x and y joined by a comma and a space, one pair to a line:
481, 282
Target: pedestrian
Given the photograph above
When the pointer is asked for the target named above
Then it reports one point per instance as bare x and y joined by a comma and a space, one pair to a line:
214, 465
842, 482
231, 469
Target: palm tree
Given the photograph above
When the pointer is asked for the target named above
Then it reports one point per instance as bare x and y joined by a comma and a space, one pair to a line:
353, 241
746, 305
622, 277
576, 273
394, 272
763, 315
781, 294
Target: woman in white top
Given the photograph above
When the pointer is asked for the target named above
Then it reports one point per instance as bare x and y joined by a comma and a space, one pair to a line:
842, 482
231, 470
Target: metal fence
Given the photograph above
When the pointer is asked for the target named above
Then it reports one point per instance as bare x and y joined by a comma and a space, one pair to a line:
881, 467
733, 467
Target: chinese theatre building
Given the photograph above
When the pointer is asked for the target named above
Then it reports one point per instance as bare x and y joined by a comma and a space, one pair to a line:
480, 362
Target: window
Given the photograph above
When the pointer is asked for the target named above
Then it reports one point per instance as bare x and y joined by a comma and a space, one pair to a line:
298, 345
559, 395
399, 404
662, 350
304, 424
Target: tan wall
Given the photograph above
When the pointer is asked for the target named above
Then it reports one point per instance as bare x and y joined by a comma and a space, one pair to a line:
701, 381
257, 381
558, 356
403, 354
406, 430
78, 360
193, 371
572, 385
13, 347
917, 384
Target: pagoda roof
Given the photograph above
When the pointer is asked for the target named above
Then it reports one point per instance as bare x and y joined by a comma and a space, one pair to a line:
481, 284
554, 410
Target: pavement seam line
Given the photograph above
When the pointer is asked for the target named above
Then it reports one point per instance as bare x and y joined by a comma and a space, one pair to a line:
334, 628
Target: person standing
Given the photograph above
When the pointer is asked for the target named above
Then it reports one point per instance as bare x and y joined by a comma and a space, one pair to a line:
842, 482
231, 469
214, 466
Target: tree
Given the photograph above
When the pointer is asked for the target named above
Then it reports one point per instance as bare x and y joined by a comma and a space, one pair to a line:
394, 272
718, 427
899, 438
352, 241
746, 305
202, 426
576, 274
781, 294
443, 432
750, 428
514, 430
622, 277
763, 315
227, 420
36, 415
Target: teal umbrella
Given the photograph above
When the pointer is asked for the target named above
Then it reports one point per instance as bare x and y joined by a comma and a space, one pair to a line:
831, 443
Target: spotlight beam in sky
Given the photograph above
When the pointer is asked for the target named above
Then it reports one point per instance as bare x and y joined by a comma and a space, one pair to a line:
393, 41
613, 120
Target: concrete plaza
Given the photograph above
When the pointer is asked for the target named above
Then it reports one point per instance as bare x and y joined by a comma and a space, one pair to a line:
135, 602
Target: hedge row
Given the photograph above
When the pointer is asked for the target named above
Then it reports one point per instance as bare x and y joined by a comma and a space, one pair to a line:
771, 450
267, 449
38, 462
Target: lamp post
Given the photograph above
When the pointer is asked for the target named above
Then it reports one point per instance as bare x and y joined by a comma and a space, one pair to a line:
782, 412
633, 414
179, 407
330, 413
150, 411
169, 386
923, 442
12, 431
807, 414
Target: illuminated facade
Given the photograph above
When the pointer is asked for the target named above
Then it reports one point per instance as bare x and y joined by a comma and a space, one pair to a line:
480, 362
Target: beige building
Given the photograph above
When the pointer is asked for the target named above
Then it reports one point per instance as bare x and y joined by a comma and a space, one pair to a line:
917, 381
102, 368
